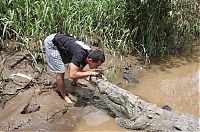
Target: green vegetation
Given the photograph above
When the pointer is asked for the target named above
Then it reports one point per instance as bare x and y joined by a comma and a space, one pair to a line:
152, 29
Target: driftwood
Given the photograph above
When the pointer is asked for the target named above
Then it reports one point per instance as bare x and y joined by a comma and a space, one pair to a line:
136, 114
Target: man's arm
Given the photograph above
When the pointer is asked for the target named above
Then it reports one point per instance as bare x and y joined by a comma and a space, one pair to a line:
76, 73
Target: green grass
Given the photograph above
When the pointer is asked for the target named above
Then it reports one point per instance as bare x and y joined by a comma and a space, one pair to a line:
150, 29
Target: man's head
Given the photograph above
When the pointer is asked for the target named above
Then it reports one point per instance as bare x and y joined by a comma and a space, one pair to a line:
95, 59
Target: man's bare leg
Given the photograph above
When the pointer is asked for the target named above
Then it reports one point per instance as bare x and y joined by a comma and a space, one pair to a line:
61, 86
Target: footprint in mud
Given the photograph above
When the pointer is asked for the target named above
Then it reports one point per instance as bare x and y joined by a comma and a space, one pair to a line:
30, 108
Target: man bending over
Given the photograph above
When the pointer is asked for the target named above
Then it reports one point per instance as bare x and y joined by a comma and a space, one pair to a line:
62, 49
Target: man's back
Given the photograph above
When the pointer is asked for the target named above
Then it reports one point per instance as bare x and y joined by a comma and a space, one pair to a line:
71, 50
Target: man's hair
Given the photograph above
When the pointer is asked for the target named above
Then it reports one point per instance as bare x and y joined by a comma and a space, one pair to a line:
97, 55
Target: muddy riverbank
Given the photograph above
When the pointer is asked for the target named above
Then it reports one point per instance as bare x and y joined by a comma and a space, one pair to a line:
36, 104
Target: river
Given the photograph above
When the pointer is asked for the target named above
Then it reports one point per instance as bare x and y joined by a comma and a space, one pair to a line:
175, 84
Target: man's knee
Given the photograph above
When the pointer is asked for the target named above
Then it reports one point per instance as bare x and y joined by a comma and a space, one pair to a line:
60, 76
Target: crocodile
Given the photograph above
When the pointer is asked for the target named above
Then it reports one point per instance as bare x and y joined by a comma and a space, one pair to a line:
133, 113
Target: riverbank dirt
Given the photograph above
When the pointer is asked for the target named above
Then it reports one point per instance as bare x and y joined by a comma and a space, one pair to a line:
32, 102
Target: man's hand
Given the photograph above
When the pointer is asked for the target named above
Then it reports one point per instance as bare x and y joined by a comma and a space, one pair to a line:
76, 73
93, 73
100, 74
100, 71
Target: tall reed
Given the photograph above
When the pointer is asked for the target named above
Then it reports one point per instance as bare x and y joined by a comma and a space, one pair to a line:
161, 27
150, 28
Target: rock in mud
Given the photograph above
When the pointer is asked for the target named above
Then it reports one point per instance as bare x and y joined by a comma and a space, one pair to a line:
166, 107
128, 77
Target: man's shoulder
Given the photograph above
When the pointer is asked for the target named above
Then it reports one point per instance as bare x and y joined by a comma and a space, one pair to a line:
63, 41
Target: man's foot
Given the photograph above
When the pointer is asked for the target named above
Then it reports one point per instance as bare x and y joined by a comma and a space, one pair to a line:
68, 100
73, 98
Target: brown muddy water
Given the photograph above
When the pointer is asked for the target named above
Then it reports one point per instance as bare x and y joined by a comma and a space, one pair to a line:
97, 121
175, 84
175, 87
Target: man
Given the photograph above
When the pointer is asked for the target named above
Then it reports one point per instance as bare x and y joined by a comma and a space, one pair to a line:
62, 49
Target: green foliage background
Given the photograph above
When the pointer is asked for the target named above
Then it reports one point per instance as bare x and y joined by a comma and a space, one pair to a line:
151, 29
